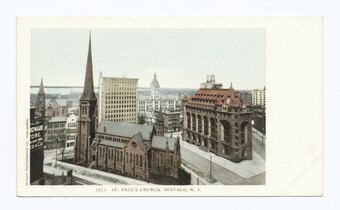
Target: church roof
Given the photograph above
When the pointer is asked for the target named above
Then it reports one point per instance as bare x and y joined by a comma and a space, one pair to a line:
123, 129
112, 143
160, 142
88, 92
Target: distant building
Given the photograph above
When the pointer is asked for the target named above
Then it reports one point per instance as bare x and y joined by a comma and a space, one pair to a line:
155, 88
210, 83
55, 133
155, 102
118, 99
259, 97
216, 120
71, 130
56, 107
172, 120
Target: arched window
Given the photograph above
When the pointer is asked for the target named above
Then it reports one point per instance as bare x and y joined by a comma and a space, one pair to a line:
194, 122
226, 131
244, 132
199, 118
206, 125
188, 121
213, 127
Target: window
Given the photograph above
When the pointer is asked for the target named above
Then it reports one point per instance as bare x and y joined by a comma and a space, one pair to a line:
206, 125
226, 132
213, 127
194, 122
199, 118
141, 161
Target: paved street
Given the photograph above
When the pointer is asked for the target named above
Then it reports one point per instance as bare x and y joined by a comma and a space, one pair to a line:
258, 146
223, 170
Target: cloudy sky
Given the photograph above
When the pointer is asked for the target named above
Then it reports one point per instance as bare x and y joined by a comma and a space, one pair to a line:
181, 58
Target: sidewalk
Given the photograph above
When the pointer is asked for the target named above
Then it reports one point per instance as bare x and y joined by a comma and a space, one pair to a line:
245, 169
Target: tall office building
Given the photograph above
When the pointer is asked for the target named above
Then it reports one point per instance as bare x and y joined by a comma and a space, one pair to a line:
259, 97
118, 99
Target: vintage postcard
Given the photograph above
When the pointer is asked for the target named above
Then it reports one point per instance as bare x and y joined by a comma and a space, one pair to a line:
160, 106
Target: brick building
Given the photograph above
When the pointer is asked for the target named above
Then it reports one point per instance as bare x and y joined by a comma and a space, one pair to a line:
135, 151
216, 120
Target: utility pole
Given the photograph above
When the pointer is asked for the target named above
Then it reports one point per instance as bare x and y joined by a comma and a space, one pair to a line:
210, 175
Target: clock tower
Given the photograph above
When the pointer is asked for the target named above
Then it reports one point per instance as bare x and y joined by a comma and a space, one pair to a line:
87, 116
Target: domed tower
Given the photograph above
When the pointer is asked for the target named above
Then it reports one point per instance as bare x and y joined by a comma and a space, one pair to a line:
154, 88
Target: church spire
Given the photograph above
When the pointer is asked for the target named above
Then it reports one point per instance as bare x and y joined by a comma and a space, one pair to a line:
88, 93
41, 88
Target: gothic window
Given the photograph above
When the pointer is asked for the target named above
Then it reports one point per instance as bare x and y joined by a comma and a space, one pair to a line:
130, 158
226, 131
141, 161
136, 159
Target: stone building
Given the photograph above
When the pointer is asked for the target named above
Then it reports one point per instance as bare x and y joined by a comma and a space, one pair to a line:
165, 160
216, 120
135, 151
118, 99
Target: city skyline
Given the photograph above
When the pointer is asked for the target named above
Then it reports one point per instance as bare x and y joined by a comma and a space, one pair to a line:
233, 55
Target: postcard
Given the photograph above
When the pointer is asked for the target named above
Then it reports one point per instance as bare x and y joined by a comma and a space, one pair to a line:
169, 106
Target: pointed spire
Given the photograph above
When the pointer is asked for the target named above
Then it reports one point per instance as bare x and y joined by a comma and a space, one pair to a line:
41, 88
88, 93
231, 85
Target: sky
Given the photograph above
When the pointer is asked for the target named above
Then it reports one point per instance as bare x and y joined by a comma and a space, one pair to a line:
181, 58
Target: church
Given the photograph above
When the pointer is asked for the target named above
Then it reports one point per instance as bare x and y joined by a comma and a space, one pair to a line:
133, 150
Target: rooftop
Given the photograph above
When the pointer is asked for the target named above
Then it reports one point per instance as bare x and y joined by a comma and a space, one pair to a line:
160, 142
123, 129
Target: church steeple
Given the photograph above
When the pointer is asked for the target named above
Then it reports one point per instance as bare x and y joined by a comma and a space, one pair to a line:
40, 102
88, 93
87, 117
41, 88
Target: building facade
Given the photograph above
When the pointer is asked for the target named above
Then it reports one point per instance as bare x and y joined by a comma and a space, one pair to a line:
172, 120
55, 133
118, 99
216, 120
71, 130
259, 97
88, 116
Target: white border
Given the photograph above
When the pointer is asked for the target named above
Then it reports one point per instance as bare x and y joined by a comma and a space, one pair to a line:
293, 82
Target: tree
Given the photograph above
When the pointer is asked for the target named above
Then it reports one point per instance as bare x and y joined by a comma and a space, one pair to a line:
141, 120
